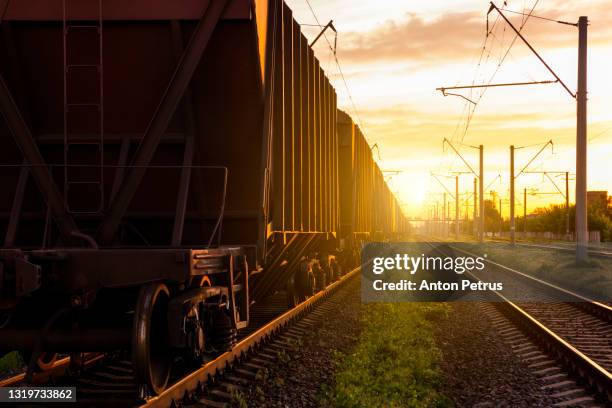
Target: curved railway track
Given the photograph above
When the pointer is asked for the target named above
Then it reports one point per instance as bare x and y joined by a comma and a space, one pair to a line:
575, 334
109, 380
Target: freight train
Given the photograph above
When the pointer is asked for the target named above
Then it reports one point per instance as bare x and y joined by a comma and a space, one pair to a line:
165, 165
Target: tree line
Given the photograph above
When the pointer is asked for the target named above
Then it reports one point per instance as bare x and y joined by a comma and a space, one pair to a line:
552, 219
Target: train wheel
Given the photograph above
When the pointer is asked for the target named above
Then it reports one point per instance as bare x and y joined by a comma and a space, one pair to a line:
304, 281
150, 349
329, 274
293, 298
319, 277
337, 269
311, 284
224, 335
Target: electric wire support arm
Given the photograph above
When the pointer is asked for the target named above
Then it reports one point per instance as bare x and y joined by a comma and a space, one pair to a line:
581, 117
479, 176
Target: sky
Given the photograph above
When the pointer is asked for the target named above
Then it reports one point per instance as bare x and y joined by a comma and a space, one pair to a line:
394, 54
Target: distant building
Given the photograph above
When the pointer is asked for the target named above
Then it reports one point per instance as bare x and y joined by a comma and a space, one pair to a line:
597, 198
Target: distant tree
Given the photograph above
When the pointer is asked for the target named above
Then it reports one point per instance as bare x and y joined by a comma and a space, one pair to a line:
552, 219
491, 215
599, 220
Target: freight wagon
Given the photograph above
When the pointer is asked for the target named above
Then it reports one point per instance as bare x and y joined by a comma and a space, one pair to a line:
164, 165
368, 208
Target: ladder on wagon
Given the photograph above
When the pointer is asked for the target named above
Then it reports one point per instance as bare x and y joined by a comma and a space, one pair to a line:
83, 106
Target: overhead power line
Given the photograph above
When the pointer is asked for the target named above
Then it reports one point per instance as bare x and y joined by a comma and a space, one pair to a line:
539, 17
600, 134
348, 91
444, 89
502, 59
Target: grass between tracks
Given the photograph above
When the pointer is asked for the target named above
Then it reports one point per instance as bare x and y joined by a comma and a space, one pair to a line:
593, 279
10, 362
394, 363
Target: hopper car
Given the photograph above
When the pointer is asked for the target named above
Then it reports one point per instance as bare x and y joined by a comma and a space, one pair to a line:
164, 166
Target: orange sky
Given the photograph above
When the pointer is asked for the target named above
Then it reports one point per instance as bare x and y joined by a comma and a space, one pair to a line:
395, 53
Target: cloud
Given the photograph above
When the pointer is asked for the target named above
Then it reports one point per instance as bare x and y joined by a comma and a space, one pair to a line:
458, 35
413, 38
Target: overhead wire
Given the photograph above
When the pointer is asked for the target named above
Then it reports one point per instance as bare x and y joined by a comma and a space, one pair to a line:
466, 106
489, 33
350, 96
499, 64
538, 17
464, 116
600, 134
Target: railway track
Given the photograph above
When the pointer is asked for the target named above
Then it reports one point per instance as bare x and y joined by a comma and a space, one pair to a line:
58, 369
600, 253
108, 380
575, 334
189, 389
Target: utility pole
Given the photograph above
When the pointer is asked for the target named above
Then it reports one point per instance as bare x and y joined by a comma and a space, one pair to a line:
475, 207
525, 213
581, 229
457, 207
501, 218
512, 221
467, 212
444, 216
493, 195
437, 223
582, 239
481, 196
567, 211
478, 176
448, 217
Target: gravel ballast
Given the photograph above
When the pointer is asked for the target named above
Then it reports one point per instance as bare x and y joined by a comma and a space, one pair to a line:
479, 369
299, 379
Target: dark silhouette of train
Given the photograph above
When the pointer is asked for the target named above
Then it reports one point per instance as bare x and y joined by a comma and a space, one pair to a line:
164, 166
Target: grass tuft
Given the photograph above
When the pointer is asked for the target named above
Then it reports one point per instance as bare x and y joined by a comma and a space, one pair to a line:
11, 362
592, 278
394, 363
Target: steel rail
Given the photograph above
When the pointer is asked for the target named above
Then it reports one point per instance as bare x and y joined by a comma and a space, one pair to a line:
193, 381
596, 252
573, 359
598, 308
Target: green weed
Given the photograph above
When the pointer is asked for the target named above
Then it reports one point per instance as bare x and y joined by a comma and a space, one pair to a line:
395, 361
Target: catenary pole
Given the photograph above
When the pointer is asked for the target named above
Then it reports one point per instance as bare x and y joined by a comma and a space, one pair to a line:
475, 207
581, 144
567, 211
525, 213
512, 220
444, 216
481, 195
457, 207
